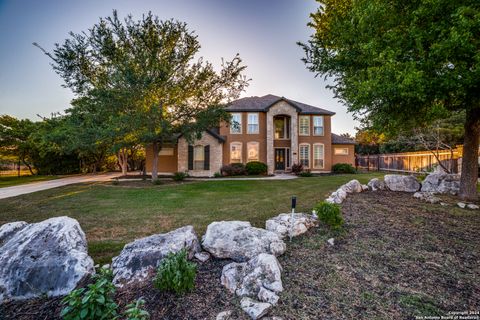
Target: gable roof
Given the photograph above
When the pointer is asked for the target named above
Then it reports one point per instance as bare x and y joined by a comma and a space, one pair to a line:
211, 132
262, 104
336, 139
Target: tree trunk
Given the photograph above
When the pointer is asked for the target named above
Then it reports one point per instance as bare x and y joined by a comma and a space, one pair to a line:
468, 180
156, 148
123, 160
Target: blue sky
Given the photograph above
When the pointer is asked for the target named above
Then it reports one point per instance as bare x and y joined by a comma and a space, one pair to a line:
263, 32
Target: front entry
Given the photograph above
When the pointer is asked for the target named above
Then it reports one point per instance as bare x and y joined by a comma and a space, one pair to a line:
279, 159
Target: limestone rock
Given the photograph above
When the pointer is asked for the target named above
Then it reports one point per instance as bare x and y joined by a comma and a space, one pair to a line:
331, 241
202, 256
266, 295
461, 205
224, 315
396, 182
427, 197
254, 309
353, 186
46, 258
248, 278
376, 184
282, 223
441, 183
472, 206
337, 197
142, 256
239, 241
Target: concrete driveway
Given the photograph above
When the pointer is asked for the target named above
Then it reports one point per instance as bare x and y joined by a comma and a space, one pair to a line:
14, 191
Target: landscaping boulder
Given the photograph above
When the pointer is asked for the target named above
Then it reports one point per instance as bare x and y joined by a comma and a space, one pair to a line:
282, 224
254, 309
396, 182
441, 183
239, 241
248, 278
376, 184
353, 186
143, 256
46, 258
337, 197
427, 197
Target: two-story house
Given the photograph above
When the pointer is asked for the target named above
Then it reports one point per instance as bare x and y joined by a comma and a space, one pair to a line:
275, 130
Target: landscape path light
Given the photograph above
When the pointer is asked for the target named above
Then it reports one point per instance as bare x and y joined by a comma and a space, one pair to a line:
294, 204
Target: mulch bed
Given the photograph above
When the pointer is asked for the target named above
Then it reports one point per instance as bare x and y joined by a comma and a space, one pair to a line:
398, 258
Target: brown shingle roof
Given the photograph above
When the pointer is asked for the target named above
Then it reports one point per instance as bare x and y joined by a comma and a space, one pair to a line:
262, 104
336, 139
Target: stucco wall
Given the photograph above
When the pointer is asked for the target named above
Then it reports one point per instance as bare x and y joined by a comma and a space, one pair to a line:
216, 155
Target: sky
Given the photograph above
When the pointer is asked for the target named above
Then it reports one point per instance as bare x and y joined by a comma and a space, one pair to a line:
263, 32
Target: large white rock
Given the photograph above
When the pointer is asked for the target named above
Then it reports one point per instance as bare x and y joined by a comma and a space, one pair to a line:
353, 186
441, 183
45, 258
239, 241
337, 197
427, 197
396, 182
254, 309
376, 184
248, 278
282, 224
140, 257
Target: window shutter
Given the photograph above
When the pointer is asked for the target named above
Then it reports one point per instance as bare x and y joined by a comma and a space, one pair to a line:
206, 164
190, 157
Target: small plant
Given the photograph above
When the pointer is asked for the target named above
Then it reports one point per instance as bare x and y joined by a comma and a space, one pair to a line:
94, 302
330, 214
305, 173
217, 175
115, 182
157, 182
233, 169
179, 176
256, 168
297, 168
176, 273
343, 168
135, 311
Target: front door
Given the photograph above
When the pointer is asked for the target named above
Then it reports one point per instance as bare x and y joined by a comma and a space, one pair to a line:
279, 159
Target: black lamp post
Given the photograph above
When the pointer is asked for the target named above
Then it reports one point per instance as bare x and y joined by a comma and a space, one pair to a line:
294, 205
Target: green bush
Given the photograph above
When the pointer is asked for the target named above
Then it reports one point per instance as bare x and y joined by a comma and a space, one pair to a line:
343, 168
297, 168
233, 169
179, 176
256, 167
134, 311
94, 302
330, 214
176, 273
305, 173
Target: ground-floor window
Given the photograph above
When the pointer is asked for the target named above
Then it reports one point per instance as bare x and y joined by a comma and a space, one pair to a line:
236, 152
198, 158
253, 151
318, 156
305, 155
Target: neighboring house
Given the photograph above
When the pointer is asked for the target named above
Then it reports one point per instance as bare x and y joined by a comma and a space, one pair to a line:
275, 130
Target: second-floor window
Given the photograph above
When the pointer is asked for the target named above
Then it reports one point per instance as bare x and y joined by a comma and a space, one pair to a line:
318, 126
304, 126
282, 127
236, 124
253, 126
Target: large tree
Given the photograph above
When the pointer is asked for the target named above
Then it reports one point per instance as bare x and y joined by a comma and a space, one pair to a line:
403, 64
146, 81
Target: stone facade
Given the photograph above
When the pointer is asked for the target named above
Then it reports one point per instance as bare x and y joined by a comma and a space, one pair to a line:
282, 108
216, 155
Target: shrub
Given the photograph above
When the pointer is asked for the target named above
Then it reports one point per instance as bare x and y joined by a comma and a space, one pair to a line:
217, 175
179, 176
233, 169
134, 311
305, 173
94, 302
330, 214
343, 168
256, 167
176, 273
297, 168
115, 182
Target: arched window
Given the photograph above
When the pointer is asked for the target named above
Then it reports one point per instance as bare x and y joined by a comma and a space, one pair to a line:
253, 151
235, 152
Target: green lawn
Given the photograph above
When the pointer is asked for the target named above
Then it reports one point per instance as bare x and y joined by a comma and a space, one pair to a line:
8, 181
112, 215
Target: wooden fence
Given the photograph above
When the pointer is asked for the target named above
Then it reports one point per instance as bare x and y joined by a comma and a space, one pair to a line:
422, 161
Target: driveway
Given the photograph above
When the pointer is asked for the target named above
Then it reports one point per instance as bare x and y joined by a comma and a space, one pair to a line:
14, 191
